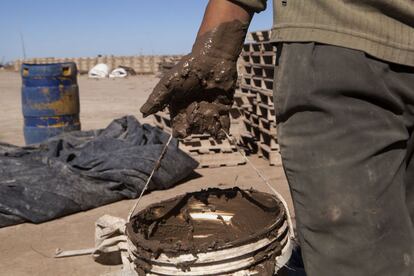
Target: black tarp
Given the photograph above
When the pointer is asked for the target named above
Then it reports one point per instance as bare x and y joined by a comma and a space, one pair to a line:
81, 170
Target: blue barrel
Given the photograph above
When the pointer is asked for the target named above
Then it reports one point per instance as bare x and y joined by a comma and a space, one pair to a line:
50, 100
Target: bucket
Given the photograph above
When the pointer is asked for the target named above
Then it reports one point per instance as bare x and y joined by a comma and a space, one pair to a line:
50, 100
259, 252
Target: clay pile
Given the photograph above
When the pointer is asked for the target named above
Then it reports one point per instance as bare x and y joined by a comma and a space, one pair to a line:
184, 232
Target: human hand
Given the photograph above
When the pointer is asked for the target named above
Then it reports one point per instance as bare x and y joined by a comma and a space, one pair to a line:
199, 90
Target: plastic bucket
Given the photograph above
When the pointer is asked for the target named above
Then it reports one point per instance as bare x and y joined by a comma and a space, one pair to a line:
237, 259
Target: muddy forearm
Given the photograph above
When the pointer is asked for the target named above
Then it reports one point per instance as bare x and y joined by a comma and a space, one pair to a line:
223, 29
221, 11
199, 89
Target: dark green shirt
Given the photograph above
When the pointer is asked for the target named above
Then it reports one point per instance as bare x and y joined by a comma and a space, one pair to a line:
381, 28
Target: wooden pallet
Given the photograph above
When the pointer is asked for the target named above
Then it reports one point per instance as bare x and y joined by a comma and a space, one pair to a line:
258, 121
269, 126
268, 139
260, 58
262, 83
260, 136
162, 120
265, 97
260, 36
208, 152
266, 112
211, 153
263, 46
219, 160
263, 71
204, 144
272, 155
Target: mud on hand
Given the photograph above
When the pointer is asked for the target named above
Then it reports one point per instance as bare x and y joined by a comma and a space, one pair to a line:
199, 90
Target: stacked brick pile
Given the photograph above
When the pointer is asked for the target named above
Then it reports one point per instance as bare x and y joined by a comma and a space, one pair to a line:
167, 65
210, 153
140, 64
254, 97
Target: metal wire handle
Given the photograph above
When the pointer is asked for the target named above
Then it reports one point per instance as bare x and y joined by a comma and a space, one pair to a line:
277, 194
156, 166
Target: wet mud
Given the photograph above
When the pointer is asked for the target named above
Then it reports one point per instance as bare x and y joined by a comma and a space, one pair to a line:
206, 221
199, 90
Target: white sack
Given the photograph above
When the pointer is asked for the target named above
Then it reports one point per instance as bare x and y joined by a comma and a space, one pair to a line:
99, 71
118, 73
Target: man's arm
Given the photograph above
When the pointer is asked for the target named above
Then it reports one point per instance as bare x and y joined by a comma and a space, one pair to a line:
219, 11
199, 90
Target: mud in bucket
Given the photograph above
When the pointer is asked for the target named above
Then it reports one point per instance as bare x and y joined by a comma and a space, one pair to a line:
212, 232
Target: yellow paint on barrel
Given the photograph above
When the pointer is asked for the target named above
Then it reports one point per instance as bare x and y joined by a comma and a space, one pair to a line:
56, 125
68, 103
66, 71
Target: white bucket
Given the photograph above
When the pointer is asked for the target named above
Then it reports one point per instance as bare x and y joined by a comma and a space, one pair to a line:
233, 260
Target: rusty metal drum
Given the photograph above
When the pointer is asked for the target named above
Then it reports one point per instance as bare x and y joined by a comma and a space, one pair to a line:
50, 100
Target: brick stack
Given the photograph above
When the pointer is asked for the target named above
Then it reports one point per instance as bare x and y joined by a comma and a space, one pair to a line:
254, 96
168, 64
140, 64
210, 153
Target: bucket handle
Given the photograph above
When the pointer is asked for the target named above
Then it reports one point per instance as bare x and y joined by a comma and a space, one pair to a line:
156, 166
277, 194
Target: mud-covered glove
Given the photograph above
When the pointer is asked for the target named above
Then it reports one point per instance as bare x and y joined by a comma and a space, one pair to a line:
199, 90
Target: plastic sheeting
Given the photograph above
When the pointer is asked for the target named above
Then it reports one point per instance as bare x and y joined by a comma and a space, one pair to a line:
81, 170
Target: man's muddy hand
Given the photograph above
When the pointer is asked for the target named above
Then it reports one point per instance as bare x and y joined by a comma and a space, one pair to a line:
199, 90
199, 94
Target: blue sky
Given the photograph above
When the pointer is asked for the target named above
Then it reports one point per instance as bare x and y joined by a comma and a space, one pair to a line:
75, 28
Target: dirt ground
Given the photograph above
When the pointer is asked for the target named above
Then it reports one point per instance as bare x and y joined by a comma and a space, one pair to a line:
28, 249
